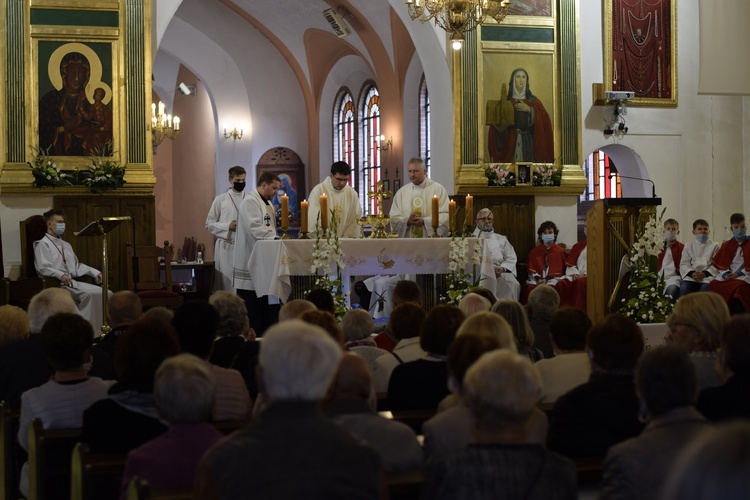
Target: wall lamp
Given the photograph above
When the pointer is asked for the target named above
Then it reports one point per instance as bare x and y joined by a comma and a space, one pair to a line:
384, 145
234, 134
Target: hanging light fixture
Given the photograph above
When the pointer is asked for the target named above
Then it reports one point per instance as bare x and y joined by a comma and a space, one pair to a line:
457, 17
163, 125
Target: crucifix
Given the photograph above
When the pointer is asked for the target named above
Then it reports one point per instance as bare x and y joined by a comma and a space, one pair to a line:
379, 194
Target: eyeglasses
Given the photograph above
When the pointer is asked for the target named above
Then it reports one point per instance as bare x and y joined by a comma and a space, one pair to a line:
488, 219
340, 179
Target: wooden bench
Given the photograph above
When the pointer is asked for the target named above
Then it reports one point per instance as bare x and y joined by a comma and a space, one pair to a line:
49, 460
95, 475
405, 485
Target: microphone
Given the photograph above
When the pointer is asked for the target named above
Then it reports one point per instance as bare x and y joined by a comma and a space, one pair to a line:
653, 186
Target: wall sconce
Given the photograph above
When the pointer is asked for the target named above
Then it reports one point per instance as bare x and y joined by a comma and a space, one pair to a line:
163, 125
384, 145
234, 134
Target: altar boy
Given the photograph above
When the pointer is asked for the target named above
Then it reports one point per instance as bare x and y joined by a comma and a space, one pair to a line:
695, 265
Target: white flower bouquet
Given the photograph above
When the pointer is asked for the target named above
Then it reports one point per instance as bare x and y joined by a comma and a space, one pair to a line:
327, 252
46, 172
460, 282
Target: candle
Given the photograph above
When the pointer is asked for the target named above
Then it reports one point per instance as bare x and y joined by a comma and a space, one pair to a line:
285, 212
435, 212
153, 109
324, 211
469, 210
303, 216
176, 122
452, 215
161, 108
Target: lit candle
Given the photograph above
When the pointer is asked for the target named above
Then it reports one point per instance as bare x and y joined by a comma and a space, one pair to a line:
153, 109
452, 215
435, 212
469, 210
176, 121
303, 215
324, 211
161, 108
284, 211
169, 121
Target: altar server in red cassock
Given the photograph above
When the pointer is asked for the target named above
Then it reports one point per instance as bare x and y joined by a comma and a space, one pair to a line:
546, 261
732, 262
572, 288
669, 260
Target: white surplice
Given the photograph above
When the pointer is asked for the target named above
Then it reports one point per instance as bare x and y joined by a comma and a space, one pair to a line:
412, 199
224, 210
502, 254
256, 221
698, 257
344, 203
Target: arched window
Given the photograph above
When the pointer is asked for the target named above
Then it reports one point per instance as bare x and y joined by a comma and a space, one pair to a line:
603, 181
424, 123
369, 168
344, 126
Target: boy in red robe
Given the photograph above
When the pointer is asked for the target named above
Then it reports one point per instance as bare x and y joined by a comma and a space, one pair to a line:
732, 262
546, 261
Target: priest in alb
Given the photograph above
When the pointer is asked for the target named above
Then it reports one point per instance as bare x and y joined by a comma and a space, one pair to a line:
411, 212
342, 199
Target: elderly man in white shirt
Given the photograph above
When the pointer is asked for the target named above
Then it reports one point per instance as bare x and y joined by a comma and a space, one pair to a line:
502, 254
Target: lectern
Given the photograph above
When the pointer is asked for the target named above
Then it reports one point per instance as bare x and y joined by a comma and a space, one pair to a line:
612, 227
101, 228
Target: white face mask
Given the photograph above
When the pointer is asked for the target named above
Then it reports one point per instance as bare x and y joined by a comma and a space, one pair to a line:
59, 228
670, 235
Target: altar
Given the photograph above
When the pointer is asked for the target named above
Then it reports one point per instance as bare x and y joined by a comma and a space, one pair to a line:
274, 262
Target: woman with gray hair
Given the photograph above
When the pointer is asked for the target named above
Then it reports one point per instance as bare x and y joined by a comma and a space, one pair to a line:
501, 390
358, 327
184, 390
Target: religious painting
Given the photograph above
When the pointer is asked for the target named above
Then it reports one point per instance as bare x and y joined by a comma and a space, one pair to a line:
292, 184
396, 185
524, 174
518, 89
641, 50
74, 89
541, 8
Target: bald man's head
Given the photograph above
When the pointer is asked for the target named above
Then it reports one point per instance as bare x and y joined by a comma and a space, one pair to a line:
353, 380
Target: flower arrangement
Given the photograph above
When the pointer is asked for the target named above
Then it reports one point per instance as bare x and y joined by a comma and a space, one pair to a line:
647, 302
104, 173
460, 281
546, 175
499, 175
326, 252
45, 170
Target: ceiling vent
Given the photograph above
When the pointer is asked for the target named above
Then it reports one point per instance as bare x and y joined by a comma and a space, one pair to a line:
337, 22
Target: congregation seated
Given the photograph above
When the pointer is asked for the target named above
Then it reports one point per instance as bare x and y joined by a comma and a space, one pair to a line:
351, 405
732, 399
473, 303
123, 308
543, 301
291, 450
322, 299
484, 292
66, 340
161, 313
196, 324
128, 417
514, 313
405, 323
184, 389
570, 366
637, 468
489, 323
501, 390
404, 291
22, 363
327, 321
714, 465
589, 419
358, 327
235, 347
696, 325
14, 324
421, 384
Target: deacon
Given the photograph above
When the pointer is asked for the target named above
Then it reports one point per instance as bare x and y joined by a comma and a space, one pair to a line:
411, 212
222, 223
54, 257
501, 253
342, 199
256, 221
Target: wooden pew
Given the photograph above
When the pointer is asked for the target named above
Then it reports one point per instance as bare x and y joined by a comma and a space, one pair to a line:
405, 485
49, 460
9, 450
95, 475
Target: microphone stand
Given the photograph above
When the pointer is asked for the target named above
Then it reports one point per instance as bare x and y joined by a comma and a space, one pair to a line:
653, 186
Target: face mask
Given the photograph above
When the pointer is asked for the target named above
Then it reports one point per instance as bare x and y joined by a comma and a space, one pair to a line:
59, 228
239, 186
701, 238
739, 234
670, 235
548, 238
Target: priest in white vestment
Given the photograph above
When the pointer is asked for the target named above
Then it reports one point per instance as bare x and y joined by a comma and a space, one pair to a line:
503, 257
343, 200
222, 223
411, 212
55, 258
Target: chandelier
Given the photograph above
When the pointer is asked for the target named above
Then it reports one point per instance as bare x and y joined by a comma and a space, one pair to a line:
457, 17
163, 125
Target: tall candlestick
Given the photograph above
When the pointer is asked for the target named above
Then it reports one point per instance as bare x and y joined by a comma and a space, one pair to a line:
303, 215
284, 211
452, 215
469, 210
435, 212
324, 211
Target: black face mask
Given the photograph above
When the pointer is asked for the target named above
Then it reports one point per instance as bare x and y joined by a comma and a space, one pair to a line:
239, 186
